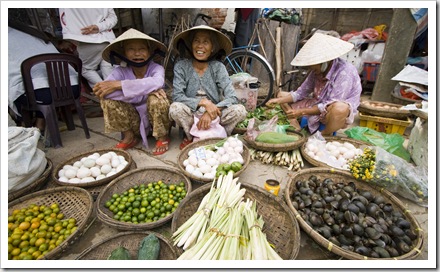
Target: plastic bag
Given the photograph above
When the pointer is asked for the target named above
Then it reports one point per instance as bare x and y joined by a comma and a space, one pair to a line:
215, 130
392, 143
392, 173
256, 127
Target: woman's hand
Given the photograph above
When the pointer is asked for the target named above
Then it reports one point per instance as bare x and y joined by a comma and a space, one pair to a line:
161, 94
104, 88
204, 121
210, 108
294, 113
91, 29
273, 102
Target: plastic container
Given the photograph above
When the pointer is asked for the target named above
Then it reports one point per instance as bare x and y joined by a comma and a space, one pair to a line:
272, 186
383, 124
371, 69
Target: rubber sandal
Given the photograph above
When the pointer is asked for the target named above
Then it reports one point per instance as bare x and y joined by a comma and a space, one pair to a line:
125, 146
184, 143
161, 144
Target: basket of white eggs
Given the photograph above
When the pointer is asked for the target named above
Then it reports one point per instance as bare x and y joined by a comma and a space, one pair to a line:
331, 151
204, 160
93, 168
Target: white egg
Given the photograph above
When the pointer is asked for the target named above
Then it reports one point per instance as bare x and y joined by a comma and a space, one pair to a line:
124, 163
106, 155
342, 149
349, 146
83, 172
63, 179
115, 162
214, 169
120, 168
336, 143
70, 173
102, 160
106, 168
349, 154
226, 145
335, 153
205, 169
61, 173
109, 174
221, 151
197, 173
74, 180
211, 162
310, 153
89, 163
230, 150
238, 149
342, 161
95, 171
201, 163
100, 177
113, 154
79, 163
209, 175
193, 160
87, 179
185, 162
189, 168
319, 154
191, 152
330, 147
224, 158
82, 159
121, 158
233, 143
67, 166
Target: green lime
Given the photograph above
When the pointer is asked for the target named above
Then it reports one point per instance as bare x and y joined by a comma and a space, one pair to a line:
236, 166
227, 168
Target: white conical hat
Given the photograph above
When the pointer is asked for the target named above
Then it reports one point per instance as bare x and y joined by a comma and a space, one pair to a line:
223, 41
321, 48
131, 34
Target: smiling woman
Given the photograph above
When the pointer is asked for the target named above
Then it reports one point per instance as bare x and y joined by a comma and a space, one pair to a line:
132, 97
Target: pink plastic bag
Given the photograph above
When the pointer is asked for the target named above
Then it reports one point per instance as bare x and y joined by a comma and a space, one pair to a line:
214, 131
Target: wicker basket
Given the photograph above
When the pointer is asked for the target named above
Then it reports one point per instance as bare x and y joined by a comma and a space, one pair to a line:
130, 240
280, 225
240, 131
132, 178
366, 107
356, 143
73, 202
184, 155
34, 186
277, 147
344, 177
106, 180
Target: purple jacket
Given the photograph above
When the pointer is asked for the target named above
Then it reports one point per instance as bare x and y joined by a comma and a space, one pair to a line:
342, 84
136, 91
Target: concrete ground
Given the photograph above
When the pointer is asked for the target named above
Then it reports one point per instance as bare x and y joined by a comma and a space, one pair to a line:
75, 142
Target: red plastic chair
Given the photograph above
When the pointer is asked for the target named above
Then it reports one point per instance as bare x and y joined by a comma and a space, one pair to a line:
57, 67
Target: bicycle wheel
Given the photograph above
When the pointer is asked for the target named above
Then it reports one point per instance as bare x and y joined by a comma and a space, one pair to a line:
256, 65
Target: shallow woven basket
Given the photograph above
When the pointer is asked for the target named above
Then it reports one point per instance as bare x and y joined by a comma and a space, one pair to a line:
344, 177
73, 202
280, 226
356, 143
130, 240
106, 180
184, 155
277, 147
34, 186
240, 131
132, 178
364, 107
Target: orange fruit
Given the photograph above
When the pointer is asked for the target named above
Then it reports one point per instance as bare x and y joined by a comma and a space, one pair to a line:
35, 225
39, 242
24, 225
16, 251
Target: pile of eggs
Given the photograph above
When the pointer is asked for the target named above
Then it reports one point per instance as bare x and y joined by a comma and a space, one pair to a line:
92, 168
203, 163
334, 153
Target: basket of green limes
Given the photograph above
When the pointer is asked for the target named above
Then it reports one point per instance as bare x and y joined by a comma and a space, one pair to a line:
142, 199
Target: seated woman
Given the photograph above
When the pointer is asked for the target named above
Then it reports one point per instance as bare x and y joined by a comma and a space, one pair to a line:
132, 96
201, 83
330, 95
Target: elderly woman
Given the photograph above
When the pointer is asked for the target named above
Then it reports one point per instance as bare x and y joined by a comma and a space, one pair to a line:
330, 95
202, 85
133, 100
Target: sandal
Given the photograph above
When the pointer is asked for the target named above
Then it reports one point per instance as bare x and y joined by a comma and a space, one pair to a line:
185, 143
125, 146
161, 144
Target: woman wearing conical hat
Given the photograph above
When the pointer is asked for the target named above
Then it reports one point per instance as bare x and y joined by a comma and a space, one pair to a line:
132, 97
330, 95
201, 84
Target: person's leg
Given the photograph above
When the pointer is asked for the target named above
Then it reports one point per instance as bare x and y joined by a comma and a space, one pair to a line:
158, 110
183, 116
121, 117
91, 56
231, 116
335, 118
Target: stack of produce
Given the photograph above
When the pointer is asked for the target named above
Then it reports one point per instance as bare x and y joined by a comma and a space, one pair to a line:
291, 159
224, 227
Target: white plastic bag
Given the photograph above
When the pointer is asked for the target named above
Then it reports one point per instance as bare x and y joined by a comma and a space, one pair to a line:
26, 162
214, 131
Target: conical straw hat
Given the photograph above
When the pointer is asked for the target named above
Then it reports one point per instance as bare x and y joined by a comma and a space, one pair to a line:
223, 41
321, 48
131, 34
